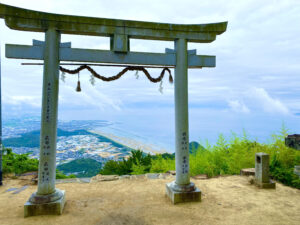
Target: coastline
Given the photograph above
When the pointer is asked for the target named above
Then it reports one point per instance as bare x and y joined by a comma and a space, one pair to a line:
131, 143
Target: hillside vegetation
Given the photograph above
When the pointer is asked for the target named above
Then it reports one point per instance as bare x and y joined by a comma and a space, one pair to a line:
18, 164
81, 167
226, 157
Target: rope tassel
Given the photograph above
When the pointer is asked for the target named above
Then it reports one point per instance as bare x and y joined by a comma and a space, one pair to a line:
78, 88
161, 87
63, 76
136, 74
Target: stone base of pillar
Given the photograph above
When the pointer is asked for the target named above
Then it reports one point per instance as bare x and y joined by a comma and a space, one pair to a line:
54, 207
187, 194
270, 185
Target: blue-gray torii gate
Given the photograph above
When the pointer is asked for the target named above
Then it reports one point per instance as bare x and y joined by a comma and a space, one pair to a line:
48, 199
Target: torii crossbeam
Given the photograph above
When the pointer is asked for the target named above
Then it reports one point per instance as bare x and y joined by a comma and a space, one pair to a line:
48, 199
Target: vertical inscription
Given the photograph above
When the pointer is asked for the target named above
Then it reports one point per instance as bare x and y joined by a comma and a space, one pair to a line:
184, 142
45, 173
185, 166
184, 148
46, 146
49, 89
46, 152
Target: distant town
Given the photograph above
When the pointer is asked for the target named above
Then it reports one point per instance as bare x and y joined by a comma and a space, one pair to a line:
73, 141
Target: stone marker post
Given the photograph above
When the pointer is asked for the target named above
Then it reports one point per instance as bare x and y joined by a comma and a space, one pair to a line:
182, 190
262, 178
48, 199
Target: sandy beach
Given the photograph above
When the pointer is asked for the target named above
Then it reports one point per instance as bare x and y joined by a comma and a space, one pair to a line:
132, 143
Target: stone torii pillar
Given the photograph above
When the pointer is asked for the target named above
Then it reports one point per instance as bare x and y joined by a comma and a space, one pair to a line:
182, 190
48, 199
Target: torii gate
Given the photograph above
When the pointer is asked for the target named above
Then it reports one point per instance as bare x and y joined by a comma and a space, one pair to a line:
48, 199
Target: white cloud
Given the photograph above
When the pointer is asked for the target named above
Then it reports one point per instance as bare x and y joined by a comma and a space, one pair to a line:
263, 100
238, 106
33, 101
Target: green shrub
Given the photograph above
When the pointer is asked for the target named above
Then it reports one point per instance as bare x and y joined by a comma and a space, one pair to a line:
138, 168
161, 164
137, 163
18, 164
21, 163
60, 175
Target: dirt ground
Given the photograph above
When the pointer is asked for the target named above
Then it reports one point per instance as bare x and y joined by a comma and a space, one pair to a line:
225, 200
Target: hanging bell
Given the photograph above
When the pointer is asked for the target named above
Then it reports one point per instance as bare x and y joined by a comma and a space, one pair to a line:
170, 79
78, 88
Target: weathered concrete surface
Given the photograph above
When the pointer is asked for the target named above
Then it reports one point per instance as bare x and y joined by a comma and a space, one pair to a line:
181, 114
47, 159
105, 56
180, 197
182, 190
269, 185
50, 208
47, 195
29, 20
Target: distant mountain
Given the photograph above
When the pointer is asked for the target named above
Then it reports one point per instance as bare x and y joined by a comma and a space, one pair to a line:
32, 139
194, 147
81, 167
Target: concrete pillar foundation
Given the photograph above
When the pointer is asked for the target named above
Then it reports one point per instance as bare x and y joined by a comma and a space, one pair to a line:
180, 194
269, 185
49, 204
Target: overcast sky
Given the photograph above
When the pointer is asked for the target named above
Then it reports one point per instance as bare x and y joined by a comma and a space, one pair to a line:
255, 85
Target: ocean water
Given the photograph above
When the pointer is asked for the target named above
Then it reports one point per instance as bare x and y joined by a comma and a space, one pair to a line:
156, 125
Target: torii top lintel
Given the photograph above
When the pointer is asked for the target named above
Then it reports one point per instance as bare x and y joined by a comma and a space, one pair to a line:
29, 20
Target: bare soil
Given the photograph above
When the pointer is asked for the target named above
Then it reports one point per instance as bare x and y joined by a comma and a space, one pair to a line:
225, 200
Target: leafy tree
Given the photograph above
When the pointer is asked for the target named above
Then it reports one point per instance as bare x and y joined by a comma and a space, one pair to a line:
137, 163
18, 164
